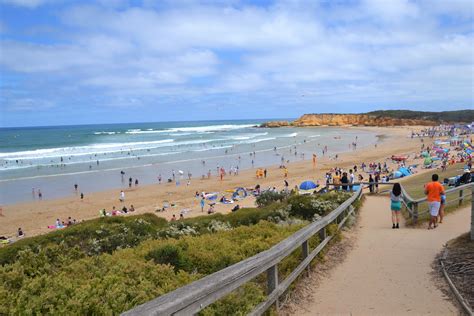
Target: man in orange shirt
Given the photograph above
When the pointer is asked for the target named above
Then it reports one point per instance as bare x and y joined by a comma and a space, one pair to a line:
434, 190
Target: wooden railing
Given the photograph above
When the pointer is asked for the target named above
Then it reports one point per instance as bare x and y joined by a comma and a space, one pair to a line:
414, 206
194, 297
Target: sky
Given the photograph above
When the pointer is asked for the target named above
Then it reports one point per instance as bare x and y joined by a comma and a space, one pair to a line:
111, 61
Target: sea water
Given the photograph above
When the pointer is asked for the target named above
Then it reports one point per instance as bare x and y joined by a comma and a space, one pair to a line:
53, 159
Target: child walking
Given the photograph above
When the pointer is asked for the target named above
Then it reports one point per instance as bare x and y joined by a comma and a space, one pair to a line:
396, 204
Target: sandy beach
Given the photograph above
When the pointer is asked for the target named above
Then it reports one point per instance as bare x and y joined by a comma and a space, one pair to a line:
34, 217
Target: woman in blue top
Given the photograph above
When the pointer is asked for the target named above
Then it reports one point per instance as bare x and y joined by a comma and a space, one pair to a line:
396, 204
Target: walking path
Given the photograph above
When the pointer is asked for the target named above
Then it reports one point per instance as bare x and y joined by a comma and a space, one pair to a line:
388, 271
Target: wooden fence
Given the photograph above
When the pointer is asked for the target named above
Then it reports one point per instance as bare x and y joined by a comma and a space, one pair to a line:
194, 297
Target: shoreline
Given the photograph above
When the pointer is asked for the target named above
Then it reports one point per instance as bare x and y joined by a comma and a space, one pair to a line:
56, 181
34, 217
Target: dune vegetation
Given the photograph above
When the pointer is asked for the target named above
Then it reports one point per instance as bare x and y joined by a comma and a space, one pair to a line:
109, 265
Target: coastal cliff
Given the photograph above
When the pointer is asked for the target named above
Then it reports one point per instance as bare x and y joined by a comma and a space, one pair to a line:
349, 120
356, 120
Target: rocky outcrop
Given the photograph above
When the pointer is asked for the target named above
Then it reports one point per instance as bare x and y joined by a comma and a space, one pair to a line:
276, 124
349, 120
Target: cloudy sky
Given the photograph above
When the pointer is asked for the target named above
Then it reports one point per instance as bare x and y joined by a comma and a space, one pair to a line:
77, 62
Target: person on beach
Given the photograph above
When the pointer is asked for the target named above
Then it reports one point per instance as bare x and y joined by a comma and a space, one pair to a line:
40, 195
371, 185
132, 208
202, 203
75, 187
285, 171
434, 190
344, 181
20, 233
211, 209
122, 196
396, 204
377, 180
136, 182
130, 180
173, 218
336, 180
82, 196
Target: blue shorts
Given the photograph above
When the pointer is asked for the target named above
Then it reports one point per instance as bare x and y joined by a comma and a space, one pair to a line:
396, 206
443, 199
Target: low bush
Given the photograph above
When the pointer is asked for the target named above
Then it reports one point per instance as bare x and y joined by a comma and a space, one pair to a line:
40, 283
109, 265
269, 197
169, 254
306, 206
93, 237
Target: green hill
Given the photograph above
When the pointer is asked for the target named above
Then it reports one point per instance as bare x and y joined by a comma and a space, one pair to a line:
445, 116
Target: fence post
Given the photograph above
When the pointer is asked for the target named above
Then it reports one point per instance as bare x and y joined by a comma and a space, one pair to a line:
322, 234
415, 212
272, 283
472, 213
460, 197
305, 252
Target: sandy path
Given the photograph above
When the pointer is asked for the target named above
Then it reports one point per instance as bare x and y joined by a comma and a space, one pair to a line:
388, 271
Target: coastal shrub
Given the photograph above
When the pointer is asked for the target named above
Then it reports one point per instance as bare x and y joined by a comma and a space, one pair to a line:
209, 253
338, 197
169, 254
240, 302
102, 275
243, 217
216, 226
92, 237
306, 206
268, 197
178, 229
112, 283
100, 285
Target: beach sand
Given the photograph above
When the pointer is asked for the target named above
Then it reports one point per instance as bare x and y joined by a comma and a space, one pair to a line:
35, 216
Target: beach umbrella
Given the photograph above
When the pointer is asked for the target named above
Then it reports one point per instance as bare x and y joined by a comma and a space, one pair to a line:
308, 185
428, 161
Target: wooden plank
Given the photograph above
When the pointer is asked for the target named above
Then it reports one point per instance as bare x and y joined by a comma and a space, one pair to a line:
283, 286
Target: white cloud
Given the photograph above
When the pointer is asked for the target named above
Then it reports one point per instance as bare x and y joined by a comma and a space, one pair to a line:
372, 50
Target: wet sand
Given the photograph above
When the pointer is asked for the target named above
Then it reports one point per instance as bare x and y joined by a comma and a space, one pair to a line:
34, 217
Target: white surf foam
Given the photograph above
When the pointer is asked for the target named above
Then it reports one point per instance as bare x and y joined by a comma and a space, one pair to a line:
106, 133
82, 150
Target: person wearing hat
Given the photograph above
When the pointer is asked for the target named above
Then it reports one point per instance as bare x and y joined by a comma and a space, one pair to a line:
465, 178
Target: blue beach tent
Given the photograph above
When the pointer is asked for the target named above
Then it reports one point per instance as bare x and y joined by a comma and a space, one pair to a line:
308, 185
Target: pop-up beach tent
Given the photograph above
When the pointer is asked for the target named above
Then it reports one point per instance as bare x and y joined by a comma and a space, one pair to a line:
239, 193
308, 185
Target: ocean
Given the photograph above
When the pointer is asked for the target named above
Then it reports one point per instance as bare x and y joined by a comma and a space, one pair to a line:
53, 159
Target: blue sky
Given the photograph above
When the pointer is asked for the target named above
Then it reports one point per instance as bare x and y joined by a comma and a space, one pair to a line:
78, 62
